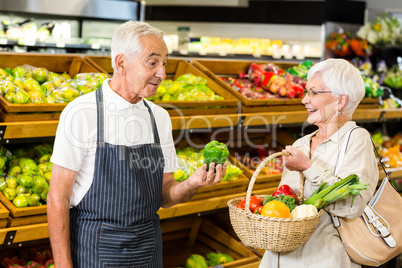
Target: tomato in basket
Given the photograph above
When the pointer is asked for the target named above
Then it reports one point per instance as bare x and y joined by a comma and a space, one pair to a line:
255, 201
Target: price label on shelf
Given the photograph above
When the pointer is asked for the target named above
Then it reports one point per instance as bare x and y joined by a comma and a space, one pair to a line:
95, 46
3, 41
60, 44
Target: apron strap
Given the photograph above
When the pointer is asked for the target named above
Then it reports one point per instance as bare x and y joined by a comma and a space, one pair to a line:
154, 127
100, 133
100, 136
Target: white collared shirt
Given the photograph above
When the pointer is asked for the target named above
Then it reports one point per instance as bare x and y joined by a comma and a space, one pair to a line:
124, 124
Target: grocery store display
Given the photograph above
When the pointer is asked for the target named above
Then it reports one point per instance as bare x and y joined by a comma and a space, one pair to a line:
30, 258
26, 177
191, 159
187, 87
267, 81
28, 84
210, 259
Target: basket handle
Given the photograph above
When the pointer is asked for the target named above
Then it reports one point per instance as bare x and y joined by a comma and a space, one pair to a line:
257, 172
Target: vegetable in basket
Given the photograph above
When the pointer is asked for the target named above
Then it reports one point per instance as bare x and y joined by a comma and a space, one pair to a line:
255, 202
286, 190
303, 211
215, 152
275, 209
342, 189
288, 200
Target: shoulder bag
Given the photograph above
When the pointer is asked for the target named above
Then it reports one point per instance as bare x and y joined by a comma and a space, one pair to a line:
376, 236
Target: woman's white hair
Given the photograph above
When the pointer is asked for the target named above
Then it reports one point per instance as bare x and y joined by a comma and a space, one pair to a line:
126, 38
342, 78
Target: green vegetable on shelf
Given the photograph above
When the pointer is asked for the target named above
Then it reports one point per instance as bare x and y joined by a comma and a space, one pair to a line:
342, 189
34, 200
196, 261
215, 152
21, 201
217, 258
25, 180
9, 193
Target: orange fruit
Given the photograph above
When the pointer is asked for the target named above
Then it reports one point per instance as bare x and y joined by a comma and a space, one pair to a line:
276, 209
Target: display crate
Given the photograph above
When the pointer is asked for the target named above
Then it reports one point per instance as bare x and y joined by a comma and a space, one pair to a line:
63, 63
224, 68
280, 139
26, 220
21, 212
174, 68
222, 188
3, 215
217, 68
184, 237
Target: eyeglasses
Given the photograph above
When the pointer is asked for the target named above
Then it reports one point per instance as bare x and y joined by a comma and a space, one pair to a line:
312, 92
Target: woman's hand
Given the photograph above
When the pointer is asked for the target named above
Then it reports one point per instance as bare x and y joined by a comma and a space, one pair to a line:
297, 160
201, 177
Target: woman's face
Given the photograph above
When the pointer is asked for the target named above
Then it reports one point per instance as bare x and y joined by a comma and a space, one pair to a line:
319, 102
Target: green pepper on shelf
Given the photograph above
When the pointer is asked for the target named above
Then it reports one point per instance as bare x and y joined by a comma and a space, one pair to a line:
215, 152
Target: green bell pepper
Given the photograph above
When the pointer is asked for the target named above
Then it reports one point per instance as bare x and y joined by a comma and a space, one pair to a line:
21, 201
25, 180
10, 193
215, 152
34, 200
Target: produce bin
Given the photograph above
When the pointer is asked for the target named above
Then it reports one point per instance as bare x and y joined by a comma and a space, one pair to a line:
184, 237
3, 215
174, 68
222, 188
26, 220
264, 180
71, 64
22, 212
217, 68
224, 68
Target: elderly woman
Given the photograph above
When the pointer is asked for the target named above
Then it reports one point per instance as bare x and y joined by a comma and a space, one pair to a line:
333, 91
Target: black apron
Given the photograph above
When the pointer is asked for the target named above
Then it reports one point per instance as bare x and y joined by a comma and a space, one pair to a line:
116, 224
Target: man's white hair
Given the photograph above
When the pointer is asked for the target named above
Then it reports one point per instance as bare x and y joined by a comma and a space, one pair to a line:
126, 38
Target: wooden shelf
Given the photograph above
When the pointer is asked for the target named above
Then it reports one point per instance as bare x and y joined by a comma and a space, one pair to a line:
205, 205
25, 233
32, 129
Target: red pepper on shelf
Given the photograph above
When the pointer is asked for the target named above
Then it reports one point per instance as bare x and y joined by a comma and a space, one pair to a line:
286, 190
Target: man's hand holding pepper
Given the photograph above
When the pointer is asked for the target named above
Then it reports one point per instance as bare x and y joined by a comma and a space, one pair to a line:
201, 177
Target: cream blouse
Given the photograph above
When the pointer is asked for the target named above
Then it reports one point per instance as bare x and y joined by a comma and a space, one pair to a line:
324, 248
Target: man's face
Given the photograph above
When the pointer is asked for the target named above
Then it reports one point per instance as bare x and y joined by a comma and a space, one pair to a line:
147, 68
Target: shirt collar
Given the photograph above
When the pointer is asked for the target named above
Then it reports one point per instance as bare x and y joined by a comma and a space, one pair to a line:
111, 97
337, 135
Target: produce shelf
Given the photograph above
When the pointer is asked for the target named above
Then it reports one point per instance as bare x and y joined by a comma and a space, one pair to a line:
193, 207
32, 129
175, 68
20, 212
3, 215
274, 118
23, 234
205, 121
184, 237
393, 113
71, 64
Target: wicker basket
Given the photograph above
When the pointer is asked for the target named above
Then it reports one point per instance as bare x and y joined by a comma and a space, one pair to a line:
269, 233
